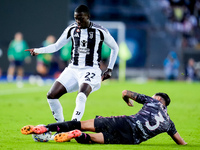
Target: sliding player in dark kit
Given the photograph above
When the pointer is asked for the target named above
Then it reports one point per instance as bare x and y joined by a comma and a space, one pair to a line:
150, 121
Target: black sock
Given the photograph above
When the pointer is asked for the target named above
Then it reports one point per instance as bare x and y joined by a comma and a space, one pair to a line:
64, 126
84, 139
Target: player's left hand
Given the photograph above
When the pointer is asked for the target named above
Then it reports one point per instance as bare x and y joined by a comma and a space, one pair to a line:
107, 74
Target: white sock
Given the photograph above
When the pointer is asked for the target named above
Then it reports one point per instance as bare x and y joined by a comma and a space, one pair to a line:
56, 109
19, 78
80, 106
9, 78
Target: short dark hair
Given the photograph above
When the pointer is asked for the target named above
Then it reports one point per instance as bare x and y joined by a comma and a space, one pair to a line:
82, 8
165, 97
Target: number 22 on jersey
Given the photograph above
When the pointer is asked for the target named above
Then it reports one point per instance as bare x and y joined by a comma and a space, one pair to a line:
89, 76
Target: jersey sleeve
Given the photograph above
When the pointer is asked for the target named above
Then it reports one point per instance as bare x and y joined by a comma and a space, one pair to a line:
64, 39
172, 129
110, 42
141, 98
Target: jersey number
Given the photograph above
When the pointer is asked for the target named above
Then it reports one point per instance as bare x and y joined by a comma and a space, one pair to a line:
89, 76
158, 119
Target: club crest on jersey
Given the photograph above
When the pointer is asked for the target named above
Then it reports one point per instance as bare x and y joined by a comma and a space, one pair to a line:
91, 34
83, 43
76, 35
77, 30
83, 48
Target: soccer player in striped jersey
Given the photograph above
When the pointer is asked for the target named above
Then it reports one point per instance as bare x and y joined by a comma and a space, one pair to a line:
83, 74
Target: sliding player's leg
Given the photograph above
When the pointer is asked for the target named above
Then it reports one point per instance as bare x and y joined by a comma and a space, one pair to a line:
60, 127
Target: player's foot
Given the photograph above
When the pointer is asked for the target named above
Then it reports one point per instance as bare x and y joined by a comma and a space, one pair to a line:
67, 136
39, 129
27, 129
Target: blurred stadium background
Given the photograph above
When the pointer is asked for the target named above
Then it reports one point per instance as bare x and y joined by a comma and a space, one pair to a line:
153, 29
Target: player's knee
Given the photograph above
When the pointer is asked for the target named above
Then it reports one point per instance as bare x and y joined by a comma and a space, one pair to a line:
51, 95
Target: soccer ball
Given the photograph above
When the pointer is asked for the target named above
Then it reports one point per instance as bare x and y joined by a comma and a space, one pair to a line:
45, 137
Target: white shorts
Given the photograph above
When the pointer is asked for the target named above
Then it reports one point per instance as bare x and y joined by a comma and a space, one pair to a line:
71, 78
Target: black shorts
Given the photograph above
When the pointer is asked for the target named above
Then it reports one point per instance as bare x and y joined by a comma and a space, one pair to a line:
116, 130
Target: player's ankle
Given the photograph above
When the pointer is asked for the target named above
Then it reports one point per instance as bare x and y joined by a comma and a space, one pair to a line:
84, 139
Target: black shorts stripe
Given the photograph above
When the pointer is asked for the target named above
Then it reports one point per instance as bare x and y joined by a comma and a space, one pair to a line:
100, 46
76, 45
90, 45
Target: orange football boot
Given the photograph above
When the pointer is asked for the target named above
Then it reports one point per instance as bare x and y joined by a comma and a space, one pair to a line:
67, 136
39, 129
27, 129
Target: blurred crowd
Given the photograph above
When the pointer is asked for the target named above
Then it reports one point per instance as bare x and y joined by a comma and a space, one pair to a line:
48, 65
183, 23
171, 66
184, 18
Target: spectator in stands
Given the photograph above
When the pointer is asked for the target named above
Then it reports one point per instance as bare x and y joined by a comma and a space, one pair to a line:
44, 60
171, 66
16, 57
166, 7
190, 70
183, 21
188, 25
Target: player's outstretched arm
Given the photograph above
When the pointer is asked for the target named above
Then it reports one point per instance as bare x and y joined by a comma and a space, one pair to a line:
128, 95
177, 138
32, 52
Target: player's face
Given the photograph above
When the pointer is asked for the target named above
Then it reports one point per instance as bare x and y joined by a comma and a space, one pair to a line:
82, 19
18, 36
155, 97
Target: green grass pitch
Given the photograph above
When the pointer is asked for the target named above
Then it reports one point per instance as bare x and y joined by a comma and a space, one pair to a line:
28, 105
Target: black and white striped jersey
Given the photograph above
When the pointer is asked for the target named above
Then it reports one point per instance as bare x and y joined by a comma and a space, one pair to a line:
86, 45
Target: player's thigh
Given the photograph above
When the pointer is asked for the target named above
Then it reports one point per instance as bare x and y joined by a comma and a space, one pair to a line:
91, 76
116, 130
68, 78
108, 130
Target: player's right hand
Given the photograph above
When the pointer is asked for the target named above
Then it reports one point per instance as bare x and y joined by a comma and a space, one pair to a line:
32, 52
130, 103
107, 74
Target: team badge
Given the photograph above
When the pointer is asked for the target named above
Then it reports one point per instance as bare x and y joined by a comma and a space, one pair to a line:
91, 34
77, 30
83, 43
83, 48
